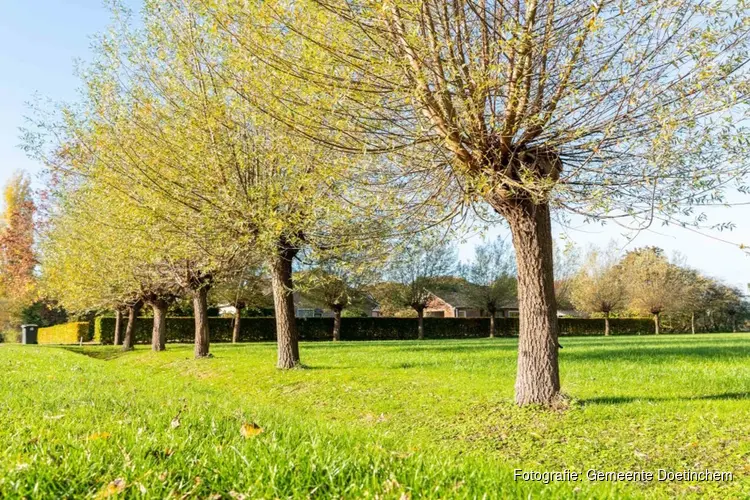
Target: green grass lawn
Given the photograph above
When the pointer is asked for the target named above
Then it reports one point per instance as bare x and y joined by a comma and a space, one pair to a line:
371, 419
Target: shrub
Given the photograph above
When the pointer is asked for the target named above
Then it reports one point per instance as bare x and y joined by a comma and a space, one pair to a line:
68, 333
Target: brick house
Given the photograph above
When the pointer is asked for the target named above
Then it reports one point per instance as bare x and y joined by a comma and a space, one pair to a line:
456, 304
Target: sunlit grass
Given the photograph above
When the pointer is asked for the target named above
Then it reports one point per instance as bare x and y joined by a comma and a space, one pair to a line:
420, 419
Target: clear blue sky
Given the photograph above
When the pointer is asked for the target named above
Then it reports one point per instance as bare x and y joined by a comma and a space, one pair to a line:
41, 39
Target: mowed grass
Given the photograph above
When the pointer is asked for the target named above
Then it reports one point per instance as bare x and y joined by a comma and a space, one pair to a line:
371, 419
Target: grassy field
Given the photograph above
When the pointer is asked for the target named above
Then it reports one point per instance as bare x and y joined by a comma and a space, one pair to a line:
379, 420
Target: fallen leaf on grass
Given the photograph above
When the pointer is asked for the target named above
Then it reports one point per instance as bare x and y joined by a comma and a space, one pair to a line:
114, 488
98, 435
250, 430
54, 417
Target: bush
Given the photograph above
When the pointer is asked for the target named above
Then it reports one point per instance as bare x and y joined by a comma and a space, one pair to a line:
68, 333
180, 329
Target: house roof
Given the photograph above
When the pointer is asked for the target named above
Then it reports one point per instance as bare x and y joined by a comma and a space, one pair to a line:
453, 298
457, 293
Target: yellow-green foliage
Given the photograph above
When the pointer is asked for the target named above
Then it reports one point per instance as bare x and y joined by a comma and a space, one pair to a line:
68, 333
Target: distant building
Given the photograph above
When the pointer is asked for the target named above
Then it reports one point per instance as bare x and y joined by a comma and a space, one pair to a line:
457, 304
304, 307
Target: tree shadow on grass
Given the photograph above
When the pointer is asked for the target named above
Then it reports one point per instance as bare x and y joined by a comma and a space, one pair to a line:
420, 346
614, 400
661, 353
103, 353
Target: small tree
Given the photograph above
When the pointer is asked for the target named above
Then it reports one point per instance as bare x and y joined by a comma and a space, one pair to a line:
598, 287
338, 280
247, 288
694, 289
567, 261
415, 265
724, 305
652, 283
493, 273
17, 257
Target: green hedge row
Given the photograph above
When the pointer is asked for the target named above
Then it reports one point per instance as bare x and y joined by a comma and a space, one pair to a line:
264, 329
68, 333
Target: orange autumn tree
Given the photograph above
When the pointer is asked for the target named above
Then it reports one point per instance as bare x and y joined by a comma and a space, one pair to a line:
17, 258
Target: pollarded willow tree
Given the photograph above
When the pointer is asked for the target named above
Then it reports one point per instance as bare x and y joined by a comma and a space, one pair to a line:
609, 108
93, 262
338, 281
652, 283
161, 123
246, 288
493, 272
599, 286
415, 265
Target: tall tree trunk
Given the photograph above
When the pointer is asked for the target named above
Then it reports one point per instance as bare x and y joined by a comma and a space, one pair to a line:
237, 324
420, 323
692, 322
283, 301
159, 333
200, 312
129, 340
336, 324
118, 327
657, 324
492, 324
606, 324
538, 377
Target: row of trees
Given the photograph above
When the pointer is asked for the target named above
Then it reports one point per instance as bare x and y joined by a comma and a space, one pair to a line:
227, 131
645, 282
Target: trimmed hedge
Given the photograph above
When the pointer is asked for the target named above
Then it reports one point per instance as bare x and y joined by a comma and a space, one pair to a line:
595, 326
68, 333
313, 329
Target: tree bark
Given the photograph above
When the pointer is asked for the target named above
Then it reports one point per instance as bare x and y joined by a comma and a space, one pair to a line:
692, 322
657, 324
129, 340
159, 333
538, 377
492, 324
118, 327
606, 324
336, 324
283, 301
420, 323
200, 312
237, 324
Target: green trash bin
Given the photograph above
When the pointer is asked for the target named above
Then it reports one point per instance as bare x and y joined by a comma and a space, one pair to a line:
29, 334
